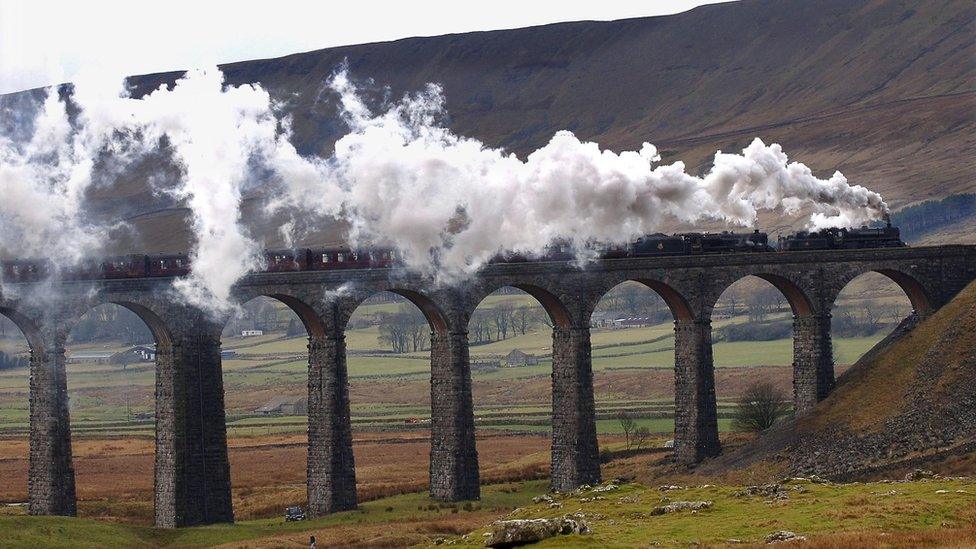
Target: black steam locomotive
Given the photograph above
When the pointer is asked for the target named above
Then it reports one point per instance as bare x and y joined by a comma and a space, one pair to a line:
695, 244
843, 239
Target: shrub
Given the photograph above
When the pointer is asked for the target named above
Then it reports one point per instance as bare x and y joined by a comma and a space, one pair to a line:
759, 407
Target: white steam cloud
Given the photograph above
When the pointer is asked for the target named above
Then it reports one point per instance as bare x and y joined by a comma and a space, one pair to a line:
42, 185
399, 177
450, 203
215, 133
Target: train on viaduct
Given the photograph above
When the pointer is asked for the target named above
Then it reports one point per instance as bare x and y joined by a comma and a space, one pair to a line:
192, 474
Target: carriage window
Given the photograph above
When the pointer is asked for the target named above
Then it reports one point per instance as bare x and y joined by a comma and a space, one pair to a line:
392, 254
15, 269
179, 262
355, 256
372, 256
325, 258
162, 264
341, 257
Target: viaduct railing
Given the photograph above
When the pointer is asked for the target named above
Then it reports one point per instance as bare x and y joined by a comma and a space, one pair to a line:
192, 475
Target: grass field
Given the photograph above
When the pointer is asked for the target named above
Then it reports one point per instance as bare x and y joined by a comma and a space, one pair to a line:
107, 395
623, 518
832, 515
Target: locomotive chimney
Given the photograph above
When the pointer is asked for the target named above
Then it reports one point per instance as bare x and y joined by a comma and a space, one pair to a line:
887, 218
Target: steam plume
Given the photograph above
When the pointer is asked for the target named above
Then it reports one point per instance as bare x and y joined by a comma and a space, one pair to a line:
450, 203
215, 134
399, 177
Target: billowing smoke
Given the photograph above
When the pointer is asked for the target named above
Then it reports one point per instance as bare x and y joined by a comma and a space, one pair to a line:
43, 179
450, 203
216, 135
399, 177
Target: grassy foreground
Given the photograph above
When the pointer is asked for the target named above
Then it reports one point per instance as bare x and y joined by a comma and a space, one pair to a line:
623, 517
937, 511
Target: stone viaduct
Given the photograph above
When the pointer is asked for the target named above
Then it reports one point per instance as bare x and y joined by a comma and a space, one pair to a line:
192, 475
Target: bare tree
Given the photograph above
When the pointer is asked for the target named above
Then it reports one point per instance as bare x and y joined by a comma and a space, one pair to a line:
405, 330
761, 303
544, 318
502, 317
731, 301
480, 326
419, 335
759, 407
524, 319
641, 434
626, 424
393, 332
630, 295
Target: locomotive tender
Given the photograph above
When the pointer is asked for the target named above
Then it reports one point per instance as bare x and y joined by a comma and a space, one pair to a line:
325, 259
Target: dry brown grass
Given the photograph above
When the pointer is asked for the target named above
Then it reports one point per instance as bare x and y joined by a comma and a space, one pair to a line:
868, 396
114, 477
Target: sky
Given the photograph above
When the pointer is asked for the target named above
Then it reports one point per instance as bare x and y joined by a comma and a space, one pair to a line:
48, 42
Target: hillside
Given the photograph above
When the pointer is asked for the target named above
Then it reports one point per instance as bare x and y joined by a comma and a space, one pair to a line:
910, 402
883, 90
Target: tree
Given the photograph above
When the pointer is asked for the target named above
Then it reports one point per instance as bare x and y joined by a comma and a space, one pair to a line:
759, 407
502, 317
419, 333
393, 332
732, 300
480, 327
523, 319
626, 424
405, 330
641, 434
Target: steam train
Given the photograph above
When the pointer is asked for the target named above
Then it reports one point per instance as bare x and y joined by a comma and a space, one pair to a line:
843, 239
170, 265
327, 259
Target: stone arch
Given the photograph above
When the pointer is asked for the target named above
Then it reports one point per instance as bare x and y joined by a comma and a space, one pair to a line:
313, 322
149, 313
680, 308
868, 305
557, 311
432, 312
800, 303
914, 289
575, 450
28, 328
157, 326
344, 306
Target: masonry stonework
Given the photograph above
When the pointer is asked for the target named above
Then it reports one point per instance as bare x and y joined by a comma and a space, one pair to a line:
51, 480
331, 466
695, 416
192, 470
192, 482
813, 365
575, 453
454, 474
